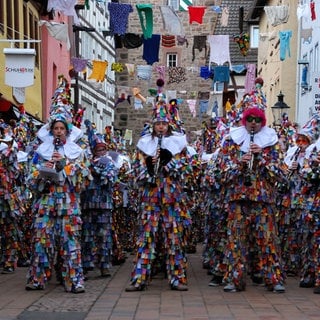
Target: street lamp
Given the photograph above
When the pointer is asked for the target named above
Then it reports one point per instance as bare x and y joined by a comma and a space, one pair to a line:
278, 110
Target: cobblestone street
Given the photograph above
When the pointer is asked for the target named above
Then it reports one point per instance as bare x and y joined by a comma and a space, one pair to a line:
105, 298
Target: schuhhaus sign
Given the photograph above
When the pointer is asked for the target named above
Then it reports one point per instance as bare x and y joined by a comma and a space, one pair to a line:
19, 67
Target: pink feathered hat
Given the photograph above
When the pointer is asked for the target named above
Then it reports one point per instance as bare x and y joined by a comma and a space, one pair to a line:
256, 112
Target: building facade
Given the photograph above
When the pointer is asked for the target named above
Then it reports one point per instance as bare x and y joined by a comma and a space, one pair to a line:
308, 75
277, 54
19, 30
180, 60
90, 42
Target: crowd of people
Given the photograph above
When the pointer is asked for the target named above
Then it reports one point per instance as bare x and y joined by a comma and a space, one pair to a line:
74, 200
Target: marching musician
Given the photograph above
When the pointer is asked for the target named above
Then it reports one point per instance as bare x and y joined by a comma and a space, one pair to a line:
293, 196
160, 166
249, 162
310, 251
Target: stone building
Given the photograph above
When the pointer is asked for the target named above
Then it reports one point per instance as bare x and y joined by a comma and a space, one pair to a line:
189, 52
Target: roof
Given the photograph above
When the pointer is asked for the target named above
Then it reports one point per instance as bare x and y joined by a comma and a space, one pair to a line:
233, 28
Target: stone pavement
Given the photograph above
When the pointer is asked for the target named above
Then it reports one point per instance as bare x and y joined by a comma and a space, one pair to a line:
105, 298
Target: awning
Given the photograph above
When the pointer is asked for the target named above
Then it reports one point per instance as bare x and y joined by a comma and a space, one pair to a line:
9, 111
5, 105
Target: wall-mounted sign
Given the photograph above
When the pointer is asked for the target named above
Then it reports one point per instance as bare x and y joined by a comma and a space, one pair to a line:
19, 67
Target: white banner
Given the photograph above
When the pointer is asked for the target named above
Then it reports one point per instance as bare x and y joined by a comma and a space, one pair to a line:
19, 67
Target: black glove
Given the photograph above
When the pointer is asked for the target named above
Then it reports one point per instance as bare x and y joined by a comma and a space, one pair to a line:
150, 166
165, 156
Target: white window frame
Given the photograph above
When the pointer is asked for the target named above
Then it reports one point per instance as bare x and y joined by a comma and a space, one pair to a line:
254, 36
218, 87
172, 54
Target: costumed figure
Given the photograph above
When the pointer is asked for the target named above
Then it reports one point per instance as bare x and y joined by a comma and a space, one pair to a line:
249, 159
310, 252
97, 205
292, 206
160, 165
11, 207
56, 180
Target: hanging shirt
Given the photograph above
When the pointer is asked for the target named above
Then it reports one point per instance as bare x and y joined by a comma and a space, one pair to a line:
219, 49
119, 14
196, 14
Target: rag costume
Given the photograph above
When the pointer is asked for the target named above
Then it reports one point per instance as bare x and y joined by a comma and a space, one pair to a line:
310, 252
11, 208
97, 205
292, 227
250, 204
57, 222
163, 215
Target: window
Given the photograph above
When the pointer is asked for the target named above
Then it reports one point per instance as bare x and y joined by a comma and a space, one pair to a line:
254, 36
218, 87
172, 59
174, 4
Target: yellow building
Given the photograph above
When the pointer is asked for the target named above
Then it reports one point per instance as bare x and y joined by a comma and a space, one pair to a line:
19, 23
277, 54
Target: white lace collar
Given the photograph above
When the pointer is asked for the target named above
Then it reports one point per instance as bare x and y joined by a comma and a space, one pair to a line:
174, 143
264, 138
70, 149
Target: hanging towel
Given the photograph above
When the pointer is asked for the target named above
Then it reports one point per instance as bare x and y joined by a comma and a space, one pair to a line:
250, 78
162, 71
224, 17
98, 70
303, 11
277, 15
59, 31
130, 68
199, 42
119, 14
177, 74
144, 72
146, 19
313, 10
79, 64
151, 48
285, 37
243, 41
117, 67
192, 106
65, 7
171, 21
196, 14
304, 76
205, 72
168, 41
306, 35
221, 74
182, 40
219, 49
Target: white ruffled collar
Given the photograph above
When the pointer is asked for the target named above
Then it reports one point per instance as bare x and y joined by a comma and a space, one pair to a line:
174, 143
264, 138
290, 156
70, 149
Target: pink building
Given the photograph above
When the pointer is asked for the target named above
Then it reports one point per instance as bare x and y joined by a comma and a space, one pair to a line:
55, 57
